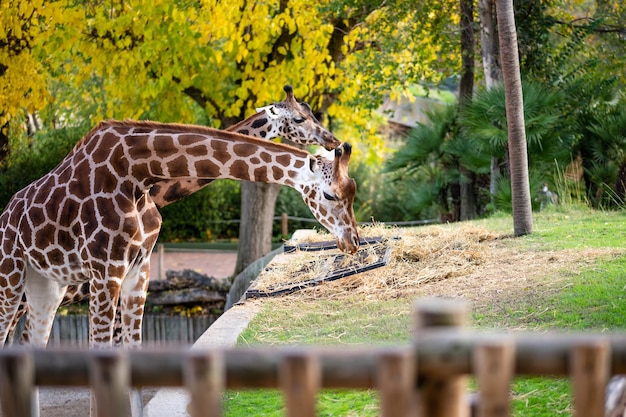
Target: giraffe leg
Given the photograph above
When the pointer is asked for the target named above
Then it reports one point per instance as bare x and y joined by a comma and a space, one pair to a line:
12, 284
43, 297
132, 301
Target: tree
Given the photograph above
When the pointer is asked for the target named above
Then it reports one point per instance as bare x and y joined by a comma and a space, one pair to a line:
214, 63
520, 189
468, 209
23, 25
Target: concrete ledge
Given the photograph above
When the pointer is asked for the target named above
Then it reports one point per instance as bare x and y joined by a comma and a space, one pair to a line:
223, 333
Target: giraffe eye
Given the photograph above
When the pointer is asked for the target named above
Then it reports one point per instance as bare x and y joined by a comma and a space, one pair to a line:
298, 119
329, 196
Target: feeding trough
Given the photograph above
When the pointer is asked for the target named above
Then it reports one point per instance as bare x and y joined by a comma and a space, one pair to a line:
311, 269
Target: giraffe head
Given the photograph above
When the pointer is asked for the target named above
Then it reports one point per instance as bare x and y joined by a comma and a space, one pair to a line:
298, 123
331, 195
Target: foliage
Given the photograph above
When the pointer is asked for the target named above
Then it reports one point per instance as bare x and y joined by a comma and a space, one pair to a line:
35, 159
204, 215
23, 27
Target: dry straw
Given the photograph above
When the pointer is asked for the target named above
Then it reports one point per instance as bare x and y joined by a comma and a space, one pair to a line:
418, 256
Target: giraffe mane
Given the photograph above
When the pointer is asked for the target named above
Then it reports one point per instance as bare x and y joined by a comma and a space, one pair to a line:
192, 129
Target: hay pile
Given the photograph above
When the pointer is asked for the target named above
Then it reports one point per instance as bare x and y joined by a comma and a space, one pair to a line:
418, 256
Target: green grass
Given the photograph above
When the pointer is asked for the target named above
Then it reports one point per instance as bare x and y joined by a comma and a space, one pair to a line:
593, 297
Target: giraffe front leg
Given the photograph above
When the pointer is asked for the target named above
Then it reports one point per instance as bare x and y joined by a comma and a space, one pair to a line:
132, 302
43, 297
12, 274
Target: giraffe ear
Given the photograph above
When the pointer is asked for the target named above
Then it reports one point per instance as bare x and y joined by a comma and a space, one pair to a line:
313, 164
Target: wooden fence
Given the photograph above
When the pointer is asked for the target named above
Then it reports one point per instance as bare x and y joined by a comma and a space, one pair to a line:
158, 330
426, 377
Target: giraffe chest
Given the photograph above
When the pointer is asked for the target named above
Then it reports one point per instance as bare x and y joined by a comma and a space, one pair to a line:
73, 240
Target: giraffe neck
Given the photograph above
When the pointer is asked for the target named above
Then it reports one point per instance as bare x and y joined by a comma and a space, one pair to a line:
157, 152
263, 125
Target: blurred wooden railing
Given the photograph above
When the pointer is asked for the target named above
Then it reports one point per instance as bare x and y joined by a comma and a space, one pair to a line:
425, 377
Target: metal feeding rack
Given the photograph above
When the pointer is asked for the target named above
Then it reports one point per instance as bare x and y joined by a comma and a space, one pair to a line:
373, 253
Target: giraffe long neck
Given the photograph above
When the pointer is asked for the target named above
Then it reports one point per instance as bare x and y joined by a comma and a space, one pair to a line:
259, 125
154, 152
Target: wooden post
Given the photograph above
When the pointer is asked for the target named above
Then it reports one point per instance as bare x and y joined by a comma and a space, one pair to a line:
204, 376
441, 396
17, 392
395, 380
590, 364
161, 256
285, 225
495, 367
109, 375
300, 379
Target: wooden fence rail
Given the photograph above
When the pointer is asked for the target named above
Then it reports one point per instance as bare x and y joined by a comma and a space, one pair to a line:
426, 377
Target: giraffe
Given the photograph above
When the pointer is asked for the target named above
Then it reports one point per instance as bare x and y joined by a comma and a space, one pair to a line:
92, 218
289, 119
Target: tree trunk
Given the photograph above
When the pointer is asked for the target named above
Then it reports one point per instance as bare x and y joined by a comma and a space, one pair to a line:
489, 42
491, 67
520, 188
466, 89
257, 217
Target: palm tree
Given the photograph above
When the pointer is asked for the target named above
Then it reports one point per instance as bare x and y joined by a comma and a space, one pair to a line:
520, 187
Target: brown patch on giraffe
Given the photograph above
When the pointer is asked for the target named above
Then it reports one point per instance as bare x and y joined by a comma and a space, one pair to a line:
175, 192
65, 240
119, 242
116, 271
15, 280
138, 152
284, 160
298, 164
255, 160
124, 203
244, 150
277, 172
79, 189
69, 212
220, 151
259, 122
45, 236
55, 256
178, 167
323, 211
266, 157
156, 169
199, 150
261, 174
109, 217
37, 215
99, 242
104, 181
119, 161
164, 146
140, 171
186, 140
41, 197
207, 168
100, 150
239, 169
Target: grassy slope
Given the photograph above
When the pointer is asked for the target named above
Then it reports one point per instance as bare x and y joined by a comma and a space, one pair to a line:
590, 298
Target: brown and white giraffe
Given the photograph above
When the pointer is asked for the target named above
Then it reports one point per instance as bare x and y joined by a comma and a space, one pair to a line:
92, 219
288, 119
